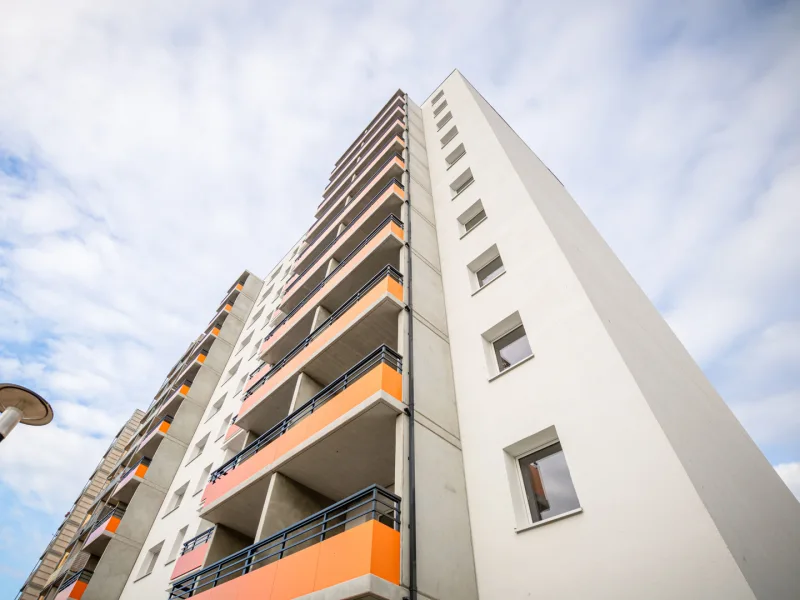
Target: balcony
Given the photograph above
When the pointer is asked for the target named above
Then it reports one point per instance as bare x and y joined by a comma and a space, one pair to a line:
193, 554
393, 124
396, 102
364, 322
171, 403
352, 538
104, 530
380, 247
130, 480
74, 586
150, 442
322, 444
377, 175
365, 168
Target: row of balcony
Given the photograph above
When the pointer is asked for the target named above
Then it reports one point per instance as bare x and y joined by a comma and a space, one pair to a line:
389, 137
395, 102
379, 172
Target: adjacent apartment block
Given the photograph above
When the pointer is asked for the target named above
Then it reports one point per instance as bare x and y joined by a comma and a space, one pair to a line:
448, 389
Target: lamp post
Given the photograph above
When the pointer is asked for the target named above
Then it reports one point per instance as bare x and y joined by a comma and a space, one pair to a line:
21, 405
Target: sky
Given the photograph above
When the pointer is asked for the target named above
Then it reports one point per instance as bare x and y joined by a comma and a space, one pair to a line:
152, 151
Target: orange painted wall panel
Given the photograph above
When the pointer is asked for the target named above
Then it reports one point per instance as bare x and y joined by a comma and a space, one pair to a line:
190, 561
73, 592
164, 427
367, 548
381, 376
141, 470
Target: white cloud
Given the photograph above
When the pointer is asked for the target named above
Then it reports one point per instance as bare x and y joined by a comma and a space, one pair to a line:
790, 473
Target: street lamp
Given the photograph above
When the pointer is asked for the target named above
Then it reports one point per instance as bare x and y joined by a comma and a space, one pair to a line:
21, 405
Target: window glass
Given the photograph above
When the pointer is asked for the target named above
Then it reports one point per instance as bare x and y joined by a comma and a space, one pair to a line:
490, 272
512, 348
469, 225
548, 485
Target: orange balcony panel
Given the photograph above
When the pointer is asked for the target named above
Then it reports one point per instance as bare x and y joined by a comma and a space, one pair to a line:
373, 155
239, 286
330, 217
73, 591
391, 228
201, 358
215, 331
381, 377
110, 527
232, 431
369, 548
387, 285
190, 561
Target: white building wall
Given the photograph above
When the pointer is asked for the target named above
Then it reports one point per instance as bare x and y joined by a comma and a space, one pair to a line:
169, 523
643, 531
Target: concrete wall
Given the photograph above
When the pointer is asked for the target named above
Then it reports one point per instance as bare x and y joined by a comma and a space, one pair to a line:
445, 567
645, 531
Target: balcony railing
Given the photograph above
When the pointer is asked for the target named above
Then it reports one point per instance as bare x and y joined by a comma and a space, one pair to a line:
198, 540
375, 198
310, 241
388, 270
339, 267
336, 194
83, 575
143, 461
373, 503
384, 354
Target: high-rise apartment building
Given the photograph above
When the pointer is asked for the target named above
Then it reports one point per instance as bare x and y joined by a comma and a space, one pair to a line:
449, 389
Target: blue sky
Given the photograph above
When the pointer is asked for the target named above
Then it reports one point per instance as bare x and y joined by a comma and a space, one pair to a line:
149, 152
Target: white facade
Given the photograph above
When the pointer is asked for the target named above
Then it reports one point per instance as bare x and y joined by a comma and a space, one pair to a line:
676, 500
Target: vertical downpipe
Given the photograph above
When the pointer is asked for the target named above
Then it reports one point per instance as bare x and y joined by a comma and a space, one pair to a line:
412, 492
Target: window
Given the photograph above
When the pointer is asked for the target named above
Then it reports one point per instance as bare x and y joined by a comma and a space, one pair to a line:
506, 345
439, 108
449, 136
455, 155
216, 407
177, 498
461, 182
204, 477
486, 268
539, 479
547, 482
245, 341
176, 545
511, 348
471, 218
224, 426
445, 120
259, 312
240, 385
150, 560
490, 272
198, 448
232, 371
437, 97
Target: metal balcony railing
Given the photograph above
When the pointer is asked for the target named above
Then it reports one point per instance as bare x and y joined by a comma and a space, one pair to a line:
198, 540
83, 575
343, 208
372, 503
107, 513
375, 198
142, 461
388, 270
383, 354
